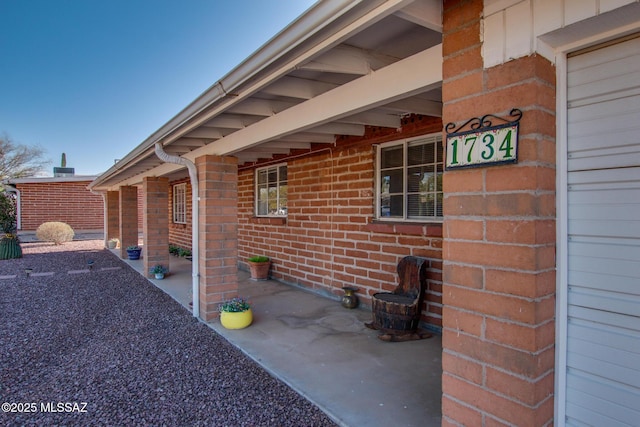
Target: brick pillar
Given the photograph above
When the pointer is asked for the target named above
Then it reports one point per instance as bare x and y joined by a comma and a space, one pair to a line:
499, 240
128, 218
112, 205
155, 222
218, 240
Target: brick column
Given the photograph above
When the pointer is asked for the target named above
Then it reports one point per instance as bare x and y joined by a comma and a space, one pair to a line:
499, 240
218, 240
112, 206
155, 222
128, 218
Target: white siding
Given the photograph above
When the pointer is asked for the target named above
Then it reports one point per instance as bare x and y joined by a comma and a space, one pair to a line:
511, 28
603, 326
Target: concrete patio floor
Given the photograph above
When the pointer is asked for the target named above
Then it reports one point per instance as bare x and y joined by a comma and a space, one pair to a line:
324, 352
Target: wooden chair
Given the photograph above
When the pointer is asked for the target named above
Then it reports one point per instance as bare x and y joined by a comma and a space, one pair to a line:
397, 314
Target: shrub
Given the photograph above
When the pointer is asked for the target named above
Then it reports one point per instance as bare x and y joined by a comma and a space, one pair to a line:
56, 232
8, 214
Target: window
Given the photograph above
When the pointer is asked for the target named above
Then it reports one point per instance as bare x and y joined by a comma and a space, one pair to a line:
271, 191
409, 175
180, 203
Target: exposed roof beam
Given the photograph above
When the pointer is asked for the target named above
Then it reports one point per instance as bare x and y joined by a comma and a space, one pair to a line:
205, 132
427, 13
318, 138
190, 142
335, 128
295, 87
288, 145
418, 73
348, 60
268, 150
374, 119
260, 107
417, 106
231, 121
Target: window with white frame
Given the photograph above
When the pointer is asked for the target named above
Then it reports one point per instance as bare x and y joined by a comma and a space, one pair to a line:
409, 179
180, 203
271, 191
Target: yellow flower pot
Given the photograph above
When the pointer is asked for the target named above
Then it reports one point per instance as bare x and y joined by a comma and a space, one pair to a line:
238, 320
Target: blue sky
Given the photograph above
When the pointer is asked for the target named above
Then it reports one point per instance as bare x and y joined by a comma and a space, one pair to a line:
94, 78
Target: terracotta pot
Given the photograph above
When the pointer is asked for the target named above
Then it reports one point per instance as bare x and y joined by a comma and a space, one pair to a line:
259, 270
237, 320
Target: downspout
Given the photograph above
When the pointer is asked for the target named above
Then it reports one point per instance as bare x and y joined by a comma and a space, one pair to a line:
195, 231
104, 213
12, 189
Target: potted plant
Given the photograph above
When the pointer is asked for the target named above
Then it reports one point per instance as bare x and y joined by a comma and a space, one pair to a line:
259, 266
159, 271
235, 313
112, 243
134, 252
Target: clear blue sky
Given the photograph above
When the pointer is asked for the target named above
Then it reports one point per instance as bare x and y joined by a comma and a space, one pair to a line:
94, 78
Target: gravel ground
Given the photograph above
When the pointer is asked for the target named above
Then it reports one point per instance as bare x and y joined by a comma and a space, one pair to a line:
108, 339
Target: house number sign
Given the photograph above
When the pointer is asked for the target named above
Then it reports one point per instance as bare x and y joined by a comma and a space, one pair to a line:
483, 144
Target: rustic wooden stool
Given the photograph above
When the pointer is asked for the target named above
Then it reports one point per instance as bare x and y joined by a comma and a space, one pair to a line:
397, 314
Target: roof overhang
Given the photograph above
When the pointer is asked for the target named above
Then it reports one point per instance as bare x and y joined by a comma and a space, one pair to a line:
50, 179
339, 67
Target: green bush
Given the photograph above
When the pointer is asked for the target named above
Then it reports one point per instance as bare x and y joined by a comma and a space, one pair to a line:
8, 214
56, 232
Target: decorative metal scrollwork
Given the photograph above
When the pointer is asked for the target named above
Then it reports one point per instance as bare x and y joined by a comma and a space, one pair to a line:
484, 122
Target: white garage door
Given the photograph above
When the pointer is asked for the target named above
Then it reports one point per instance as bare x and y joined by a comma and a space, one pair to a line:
603, 297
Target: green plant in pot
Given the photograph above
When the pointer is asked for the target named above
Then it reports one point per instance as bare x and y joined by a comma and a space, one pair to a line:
158, 271
134, 252
235, 313
259, 267
112, 243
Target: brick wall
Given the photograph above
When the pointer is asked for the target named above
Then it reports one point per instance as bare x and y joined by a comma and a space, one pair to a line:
499, 240
329, 239
69, 202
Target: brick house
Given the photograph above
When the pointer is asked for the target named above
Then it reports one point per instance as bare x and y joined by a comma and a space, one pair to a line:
66, 199
325, 150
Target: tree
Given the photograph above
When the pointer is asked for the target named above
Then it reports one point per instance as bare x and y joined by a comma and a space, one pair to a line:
20, 161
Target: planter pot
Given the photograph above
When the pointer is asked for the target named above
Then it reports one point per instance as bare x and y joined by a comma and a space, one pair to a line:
238, 320
159, 276
111, 244
259, 270
134, 253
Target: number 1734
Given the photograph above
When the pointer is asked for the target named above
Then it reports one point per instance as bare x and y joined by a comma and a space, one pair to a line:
496, 145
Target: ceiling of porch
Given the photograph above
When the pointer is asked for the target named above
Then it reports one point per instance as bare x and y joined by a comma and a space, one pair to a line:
360, 69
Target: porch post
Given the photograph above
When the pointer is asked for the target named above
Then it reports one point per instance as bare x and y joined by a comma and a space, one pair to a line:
128, 218
155, 222
112, 200
218, 239
499, 239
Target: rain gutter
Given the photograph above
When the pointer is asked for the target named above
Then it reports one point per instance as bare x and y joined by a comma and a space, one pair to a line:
195, 229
